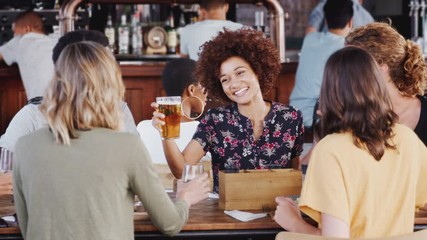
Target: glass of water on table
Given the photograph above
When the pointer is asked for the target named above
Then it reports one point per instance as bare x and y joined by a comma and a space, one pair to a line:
191, 171
6, 160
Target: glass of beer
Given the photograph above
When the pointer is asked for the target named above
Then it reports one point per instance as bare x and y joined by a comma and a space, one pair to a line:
171, 108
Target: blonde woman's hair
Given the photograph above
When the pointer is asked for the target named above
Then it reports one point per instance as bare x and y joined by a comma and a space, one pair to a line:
86, 92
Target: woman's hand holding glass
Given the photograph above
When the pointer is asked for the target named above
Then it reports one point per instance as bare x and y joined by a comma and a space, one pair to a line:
157, 119
193, 191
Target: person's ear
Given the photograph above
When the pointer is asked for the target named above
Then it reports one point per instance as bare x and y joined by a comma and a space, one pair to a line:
28, 28
191, 89
226, 6
350, 23
384, 70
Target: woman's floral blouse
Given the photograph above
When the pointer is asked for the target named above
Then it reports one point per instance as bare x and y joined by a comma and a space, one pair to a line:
228, 136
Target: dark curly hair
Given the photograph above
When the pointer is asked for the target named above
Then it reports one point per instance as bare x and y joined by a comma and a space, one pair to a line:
248, 44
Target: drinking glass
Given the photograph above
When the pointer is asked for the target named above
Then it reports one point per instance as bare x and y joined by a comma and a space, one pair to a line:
191, 171
171, 108
6, 159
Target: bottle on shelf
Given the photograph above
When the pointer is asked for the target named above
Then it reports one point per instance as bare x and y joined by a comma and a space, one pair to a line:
123, 36
179, 30
136, 35
110, 33
259, 21
172, 38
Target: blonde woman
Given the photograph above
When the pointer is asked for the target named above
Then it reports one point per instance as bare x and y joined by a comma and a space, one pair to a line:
77, 179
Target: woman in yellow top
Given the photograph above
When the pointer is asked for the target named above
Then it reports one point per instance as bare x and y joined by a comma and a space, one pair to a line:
366, 176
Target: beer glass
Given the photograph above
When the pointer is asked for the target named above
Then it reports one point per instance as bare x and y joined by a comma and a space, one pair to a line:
191, 171
171, 108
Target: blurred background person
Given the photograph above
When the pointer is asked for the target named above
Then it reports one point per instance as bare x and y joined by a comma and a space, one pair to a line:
31, 49
315, 51
351, 188
239, 68
29, 118
212, 15
316, 19
83, 171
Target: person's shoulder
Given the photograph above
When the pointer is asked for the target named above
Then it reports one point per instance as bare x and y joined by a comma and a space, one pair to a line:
329, 142
192, 26
232, 24
33, 137
404, 132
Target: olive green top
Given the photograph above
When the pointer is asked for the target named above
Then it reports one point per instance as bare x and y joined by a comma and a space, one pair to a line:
86, 190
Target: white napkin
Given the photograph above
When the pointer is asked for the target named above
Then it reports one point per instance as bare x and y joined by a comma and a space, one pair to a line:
244, 216
213, 195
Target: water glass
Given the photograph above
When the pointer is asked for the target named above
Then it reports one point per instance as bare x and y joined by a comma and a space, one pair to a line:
6, 159
191, 171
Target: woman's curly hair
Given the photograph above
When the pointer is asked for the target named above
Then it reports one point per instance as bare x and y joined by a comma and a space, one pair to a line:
248, 44
403, 57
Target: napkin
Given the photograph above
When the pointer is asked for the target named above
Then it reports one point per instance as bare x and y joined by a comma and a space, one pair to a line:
244, 216
213, 195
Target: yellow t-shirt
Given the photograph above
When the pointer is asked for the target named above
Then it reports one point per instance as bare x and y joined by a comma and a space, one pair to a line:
375, 198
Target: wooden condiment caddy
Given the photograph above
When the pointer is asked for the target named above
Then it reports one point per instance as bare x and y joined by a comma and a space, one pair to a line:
254, 189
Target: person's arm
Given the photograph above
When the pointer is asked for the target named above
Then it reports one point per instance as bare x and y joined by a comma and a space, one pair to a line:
26, 120
145, 182
176, 159
19, 200
334, 227
288, 216
129, 122
8, 51
316, 18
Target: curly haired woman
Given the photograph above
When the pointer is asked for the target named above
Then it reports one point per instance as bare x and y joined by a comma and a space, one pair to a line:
402, 64
249, 132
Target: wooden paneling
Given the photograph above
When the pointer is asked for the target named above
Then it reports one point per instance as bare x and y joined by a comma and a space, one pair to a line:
143, 83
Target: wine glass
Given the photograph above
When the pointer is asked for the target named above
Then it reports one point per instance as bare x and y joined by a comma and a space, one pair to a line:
191, 171
6, 159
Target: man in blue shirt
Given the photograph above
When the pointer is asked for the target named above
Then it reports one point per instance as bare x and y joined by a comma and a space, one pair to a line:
316, 49
316, 20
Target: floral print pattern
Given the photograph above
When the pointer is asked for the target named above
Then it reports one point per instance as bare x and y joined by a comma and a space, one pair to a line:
228, 136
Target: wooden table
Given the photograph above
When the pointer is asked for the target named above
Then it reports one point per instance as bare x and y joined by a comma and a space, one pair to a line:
207, 221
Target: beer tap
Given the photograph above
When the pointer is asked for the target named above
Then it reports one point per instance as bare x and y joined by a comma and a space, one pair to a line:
414, 7
423, 6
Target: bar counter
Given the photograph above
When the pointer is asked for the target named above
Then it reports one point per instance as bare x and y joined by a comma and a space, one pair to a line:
207, 221
143, 83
